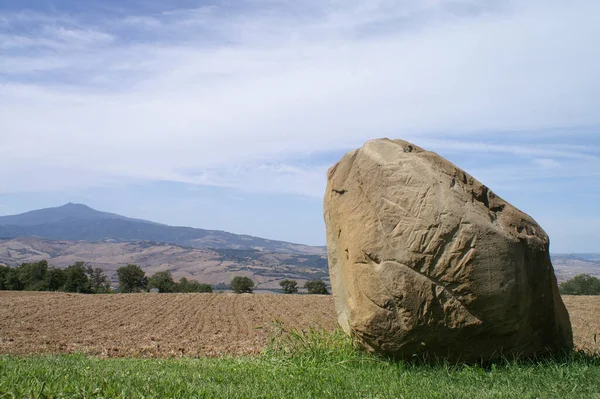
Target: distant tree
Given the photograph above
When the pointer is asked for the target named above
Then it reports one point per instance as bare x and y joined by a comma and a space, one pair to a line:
183, 285
131, 279
12, 281
582, 284
289, 286
240, 285
201, 287
316, 287
33, 275
163, 281
4, 270
76, 279
98, 281
196, 286
55, 279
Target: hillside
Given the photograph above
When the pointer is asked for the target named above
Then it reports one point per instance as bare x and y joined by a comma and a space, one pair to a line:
568, 266
77, 222
211, 266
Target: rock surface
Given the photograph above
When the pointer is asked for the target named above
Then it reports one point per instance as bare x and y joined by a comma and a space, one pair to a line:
426, 261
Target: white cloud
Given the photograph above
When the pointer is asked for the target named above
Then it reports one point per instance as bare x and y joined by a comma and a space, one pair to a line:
547, 163
234, 96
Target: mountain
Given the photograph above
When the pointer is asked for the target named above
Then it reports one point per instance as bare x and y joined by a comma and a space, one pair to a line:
77, 222
63, 213
212, 266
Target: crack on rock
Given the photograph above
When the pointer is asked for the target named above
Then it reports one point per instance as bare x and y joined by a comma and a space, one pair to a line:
340, 191
482, 196
445, 288
498, 208
371, 257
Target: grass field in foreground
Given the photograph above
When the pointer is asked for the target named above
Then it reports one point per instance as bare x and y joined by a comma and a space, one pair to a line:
316, 365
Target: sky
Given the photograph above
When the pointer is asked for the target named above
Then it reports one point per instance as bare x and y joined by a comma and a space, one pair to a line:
227, 114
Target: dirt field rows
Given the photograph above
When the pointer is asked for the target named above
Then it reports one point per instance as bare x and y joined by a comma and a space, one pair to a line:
585, 319
166, 325
152, 324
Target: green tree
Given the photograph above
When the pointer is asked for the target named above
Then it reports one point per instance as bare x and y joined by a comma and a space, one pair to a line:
12, 281
55, 279
163, 281
241, 285
196, 286
98, 281
316, 287
33, 275
131, 279
185, 285
4, 270
76, 279
289, 286
582, 284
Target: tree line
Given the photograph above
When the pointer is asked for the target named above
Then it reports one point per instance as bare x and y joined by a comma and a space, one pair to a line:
84, 279
133, 279
241, 285
38, 276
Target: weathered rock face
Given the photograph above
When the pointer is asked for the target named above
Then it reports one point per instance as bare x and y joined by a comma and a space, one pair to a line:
425, 260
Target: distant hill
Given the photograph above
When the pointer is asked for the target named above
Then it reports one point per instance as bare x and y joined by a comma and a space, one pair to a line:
567, 266
77, 222
211, 266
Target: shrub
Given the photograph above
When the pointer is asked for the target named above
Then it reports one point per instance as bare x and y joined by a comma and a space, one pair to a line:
289, 286
241, 284
316, 287
582, 284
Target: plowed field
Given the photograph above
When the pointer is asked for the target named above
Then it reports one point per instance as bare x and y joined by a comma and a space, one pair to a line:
168, 325
152, 325
585, 319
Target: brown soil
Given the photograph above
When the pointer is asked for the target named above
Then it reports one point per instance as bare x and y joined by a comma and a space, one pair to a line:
585, 319
168, 325
152, 325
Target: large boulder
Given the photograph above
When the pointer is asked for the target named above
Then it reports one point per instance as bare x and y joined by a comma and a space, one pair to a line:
426, 261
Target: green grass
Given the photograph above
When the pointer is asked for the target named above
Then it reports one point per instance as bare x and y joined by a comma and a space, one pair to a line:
297, 365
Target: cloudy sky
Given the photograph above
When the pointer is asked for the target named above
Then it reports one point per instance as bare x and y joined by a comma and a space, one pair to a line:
227, 114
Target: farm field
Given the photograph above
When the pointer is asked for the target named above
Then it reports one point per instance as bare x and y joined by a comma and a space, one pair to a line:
186, 325
153, 325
